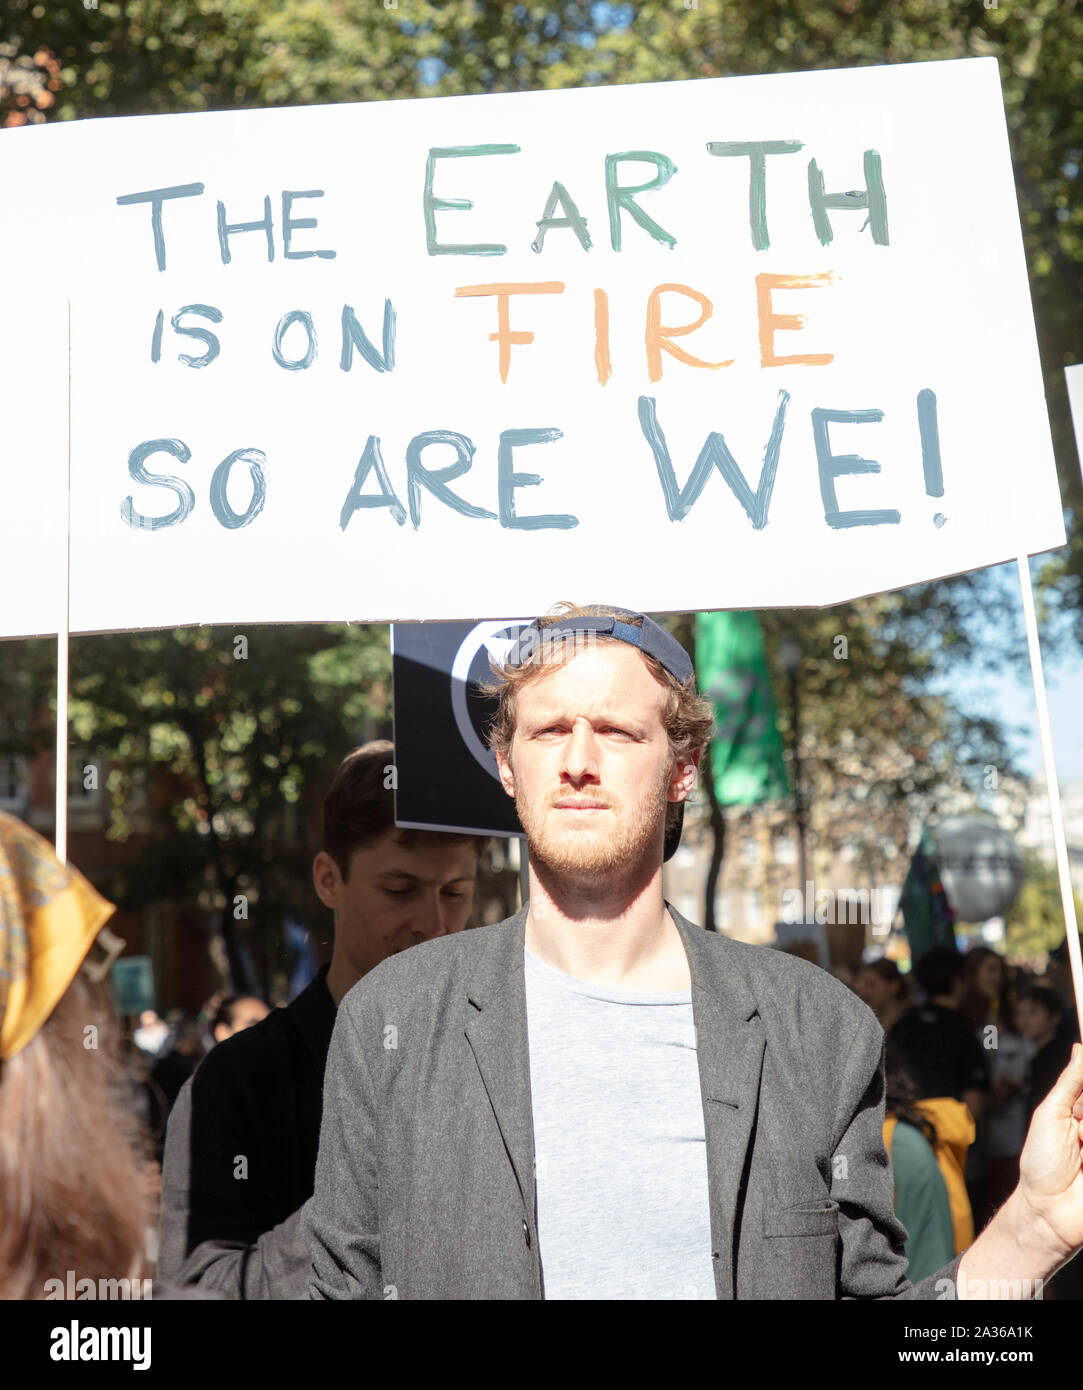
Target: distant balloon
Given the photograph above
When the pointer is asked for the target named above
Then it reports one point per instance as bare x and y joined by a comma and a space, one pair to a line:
981, 867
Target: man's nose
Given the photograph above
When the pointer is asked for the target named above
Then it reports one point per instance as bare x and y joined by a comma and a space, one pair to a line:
431, 917
581, 751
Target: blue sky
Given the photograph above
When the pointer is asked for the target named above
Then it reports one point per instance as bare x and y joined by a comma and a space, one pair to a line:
1011, 700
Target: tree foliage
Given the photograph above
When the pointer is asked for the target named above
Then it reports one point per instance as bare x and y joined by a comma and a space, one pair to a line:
222, 739
1035, 924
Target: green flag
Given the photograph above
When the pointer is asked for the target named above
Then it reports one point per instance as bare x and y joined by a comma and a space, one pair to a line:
731, 670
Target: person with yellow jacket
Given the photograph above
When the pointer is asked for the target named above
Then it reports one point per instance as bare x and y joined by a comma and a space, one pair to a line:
921, 1197
949, 1071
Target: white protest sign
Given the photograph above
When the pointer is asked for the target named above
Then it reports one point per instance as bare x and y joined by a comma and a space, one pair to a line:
1073, 377
33, 456
740, 342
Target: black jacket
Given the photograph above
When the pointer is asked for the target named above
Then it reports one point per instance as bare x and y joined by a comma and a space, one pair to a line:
240, 1155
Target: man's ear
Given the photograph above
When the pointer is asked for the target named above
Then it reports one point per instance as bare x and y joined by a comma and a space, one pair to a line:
326, 880
683, 780
507, 776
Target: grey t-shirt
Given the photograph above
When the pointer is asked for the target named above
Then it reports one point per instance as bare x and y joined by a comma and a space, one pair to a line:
623, 1207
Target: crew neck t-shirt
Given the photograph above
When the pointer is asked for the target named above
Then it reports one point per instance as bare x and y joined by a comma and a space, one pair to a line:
619, 1141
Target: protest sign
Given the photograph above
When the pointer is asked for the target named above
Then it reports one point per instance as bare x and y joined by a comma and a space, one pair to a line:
727, 343
1073, 377
445, 775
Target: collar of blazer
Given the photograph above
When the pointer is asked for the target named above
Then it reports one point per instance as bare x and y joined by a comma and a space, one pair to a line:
730, 1043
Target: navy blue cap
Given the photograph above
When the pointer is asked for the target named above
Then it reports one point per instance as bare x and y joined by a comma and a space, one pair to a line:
649, 638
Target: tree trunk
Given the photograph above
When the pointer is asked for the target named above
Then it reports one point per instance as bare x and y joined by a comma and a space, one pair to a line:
718, 849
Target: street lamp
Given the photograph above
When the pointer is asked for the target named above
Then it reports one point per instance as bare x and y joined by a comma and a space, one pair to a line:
791, 656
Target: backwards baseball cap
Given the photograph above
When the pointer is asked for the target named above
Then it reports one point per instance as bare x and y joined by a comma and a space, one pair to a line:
638, 631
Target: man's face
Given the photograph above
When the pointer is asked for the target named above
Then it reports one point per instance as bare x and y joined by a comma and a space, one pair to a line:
590, 766
396, 897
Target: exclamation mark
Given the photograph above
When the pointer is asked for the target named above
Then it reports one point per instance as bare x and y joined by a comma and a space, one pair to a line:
930, 450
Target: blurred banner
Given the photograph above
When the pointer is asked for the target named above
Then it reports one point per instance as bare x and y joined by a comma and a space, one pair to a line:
928, 917
731, 670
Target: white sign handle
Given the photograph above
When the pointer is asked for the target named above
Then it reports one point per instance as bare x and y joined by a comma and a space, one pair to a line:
62, 658
1059, 842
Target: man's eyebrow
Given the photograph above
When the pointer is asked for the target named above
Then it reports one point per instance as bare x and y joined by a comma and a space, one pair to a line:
622, 721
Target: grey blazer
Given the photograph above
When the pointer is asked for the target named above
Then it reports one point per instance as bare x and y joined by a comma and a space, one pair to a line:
425, 1177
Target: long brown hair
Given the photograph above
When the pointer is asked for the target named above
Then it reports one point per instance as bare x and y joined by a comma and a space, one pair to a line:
974, 1006
72, 1194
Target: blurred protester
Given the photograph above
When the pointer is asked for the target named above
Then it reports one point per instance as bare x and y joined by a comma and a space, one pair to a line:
208, 1013
1040, 1018
1006, 1120
983, 985
235, 1012
940, 1051
1045, 1024
886, 990
75, 1186
242, 1142
179, 1061
950, 1072
1058, 972
149, 1101
921, 1195
980, 1006
153, 1034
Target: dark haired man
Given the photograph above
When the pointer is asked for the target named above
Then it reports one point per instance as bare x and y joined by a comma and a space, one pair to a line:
942, 1053
596, 1099
241, 1146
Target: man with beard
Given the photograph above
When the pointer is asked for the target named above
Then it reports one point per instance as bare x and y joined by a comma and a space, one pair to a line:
597, 1099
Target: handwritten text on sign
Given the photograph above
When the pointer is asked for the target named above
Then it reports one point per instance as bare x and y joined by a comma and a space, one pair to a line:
737, 343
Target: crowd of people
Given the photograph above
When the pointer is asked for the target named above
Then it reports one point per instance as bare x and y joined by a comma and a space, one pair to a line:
973, 1045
